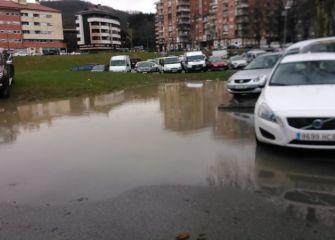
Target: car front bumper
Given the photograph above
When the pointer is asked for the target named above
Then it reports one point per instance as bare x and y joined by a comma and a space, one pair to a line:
281, 134
244, 88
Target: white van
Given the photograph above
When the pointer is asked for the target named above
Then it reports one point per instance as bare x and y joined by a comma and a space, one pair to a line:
120, 64
194, 61
172, 64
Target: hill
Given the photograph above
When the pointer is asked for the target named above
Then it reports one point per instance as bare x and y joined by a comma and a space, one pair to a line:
140, 25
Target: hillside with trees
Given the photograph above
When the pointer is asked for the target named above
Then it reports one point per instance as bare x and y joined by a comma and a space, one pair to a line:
137, 28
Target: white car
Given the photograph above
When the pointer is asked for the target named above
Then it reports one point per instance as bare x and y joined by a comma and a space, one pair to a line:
251, 79
296, 107
237, 62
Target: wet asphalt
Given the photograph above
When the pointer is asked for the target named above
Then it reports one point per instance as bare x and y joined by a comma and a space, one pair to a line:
160, 212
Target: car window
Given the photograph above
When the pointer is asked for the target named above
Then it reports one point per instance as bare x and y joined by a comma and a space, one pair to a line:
118, 63
264, 62
237, 58
304, 73
196, 58
171, 60
145, 64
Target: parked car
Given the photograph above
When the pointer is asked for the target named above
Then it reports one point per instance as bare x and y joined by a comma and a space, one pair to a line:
157, 65
252, 54
7, 73
220, 53
20, 54
146, 67
99, 68
296, 107
86, 67
252, 78
237, 62
217, 63
194, 61
120, 64
313, 45
172, 65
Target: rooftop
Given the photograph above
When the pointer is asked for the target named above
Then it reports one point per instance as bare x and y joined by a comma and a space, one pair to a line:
4, 4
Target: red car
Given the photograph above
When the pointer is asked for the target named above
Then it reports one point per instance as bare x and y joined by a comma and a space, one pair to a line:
217, 63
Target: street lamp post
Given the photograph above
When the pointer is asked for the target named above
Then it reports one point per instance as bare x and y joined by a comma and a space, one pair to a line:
285, 14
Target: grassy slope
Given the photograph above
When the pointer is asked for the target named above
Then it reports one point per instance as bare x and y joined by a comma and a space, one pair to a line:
49, 77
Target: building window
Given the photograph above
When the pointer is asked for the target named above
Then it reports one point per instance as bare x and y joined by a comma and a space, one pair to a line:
24, 14
25, 23
95, 38
25, 31
37, 24
36, 15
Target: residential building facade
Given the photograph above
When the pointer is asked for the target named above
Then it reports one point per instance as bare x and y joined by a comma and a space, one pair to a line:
30, 27
98, 30
190, 24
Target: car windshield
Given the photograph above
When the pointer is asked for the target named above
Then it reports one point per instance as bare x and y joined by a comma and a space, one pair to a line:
118, 63
264, 62
215, 59
144, 64
173, 60
196, 58
236, 58
304, 73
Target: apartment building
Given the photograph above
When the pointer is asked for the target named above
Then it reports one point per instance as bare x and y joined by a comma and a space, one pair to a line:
173, 24
200, 23
98, 30
30, 27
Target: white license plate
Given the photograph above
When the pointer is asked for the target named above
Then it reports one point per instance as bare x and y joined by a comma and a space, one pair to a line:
316, 137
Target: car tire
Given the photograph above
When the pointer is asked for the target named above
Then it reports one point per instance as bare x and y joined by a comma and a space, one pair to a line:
5, 93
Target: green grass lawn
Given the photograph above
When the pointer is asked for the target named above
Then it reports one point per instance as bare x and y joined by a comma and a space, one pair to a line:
49, 77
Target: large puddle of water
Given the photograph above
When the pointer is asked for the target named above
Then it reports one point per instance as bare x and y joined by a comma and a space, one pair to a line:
173, 134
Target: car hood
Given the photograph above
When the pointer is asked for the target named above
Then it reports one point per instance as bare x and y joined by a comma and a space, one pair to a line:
251, 74
239, 62
312, 100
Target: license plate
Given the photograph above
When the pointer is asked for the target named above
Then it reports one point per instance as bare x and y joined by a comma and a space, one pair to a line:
316, 137
241, 87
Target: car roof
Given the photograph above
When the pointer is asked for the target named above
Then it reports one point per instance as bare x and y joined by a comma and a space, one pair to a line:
272, 54
306, 46
306, 57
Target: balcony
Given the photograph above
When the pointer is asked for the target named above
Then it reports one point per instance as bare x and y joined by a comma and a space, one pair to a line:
182, 9
183, 22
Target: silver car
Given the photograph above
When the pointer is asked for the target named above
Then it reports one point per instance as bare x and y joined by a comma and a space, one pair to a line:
252, 78
145, 67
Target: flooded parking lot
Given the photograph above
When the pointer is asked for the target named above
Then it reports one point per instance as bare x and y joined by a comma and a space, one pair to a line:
93, 149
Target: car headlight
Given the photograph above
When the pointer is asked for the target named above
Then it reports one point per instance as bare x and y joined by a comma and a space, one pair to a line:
266, 113
259, 79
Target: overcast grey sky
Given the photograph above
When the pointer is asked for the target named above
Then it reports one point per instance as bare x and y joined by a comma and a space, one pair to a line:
129, 5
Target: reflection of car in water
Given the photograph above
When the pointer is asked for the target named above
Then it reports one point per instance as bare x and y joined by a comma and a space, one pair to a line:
303, 182
6, 135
